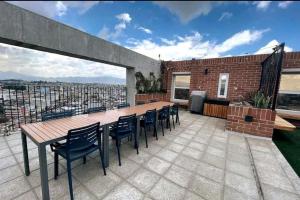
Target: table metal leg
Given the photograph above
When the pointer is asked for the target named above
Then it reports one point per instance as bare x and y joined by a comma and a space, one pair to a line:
44, 171
106, 145
25, 154
138, 129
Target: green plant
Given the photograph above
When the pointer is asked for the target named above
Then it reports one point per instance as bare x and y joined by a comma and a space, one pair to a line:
147, 85
259, 100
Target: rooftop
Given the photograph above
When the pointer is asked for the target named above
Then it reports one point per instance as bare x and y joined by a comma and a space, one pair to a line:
197, 160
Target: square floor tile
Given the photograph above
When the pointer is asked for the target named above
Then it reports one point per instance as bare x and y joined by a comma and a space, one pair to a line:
143, 179
186, 162
124, 191
167, 155
242, 184
100, 185
157, 165
192, 196
211, 172
206, 188
193, 153
126, 169
197, 145
175, 147
179, 175
140, 158
13, 188
214, 160
166, 190
181, 140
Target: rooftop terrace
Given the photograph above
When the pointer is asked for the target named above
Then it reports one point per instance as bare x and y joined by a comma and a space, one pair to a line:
197, 160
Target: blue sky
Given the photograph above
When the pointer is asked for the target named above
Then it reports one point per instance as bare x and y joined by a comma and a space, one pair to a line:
178, 30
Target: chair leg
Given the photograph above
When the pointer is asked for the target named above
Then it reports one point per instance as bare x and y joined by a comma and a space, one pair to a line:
173, 121
84, 159
118, 150
177, 118
70, 179
146, 137
136, 143
155, 131
102, 162
162, 127
55, 165
169, 123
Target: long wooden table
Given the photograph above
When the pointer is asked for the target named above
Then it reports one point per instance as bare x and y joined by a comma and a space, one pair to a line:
47, 132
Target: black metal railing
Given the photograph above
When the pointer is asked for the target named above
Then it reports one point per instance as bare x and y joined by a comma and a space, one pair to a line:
27, 103
270, 75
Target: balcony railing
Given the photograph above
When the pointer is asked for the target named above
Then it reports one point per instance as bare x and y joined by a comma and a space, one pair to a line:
26, 103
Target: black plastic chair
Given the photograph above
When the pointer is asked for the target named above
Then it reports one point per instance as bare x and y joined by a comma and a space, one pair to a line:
148, 121
95, 109
140, 102
174, 111
125, 127
80, 143
123, 105
153, 100
56, 115
164, 116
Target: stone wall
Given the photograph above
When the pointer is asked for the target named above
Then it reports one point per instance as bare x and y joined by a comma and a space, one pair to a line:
262, 124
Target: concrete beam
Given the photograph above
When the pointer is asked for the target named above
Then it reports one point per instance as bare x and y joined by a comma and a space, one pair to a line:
23, 28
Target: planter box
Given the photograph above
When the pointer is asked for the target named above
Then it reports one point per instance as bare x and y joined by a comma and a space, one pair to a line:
254, 121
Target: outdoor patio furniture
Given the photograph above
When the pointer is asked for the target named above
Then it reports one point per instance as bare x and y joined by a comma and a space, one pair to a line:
56, 115
174, 111
164, 117
43, 134
148, 121
95, 109
123, 105
125, 127
80, 143
153, 100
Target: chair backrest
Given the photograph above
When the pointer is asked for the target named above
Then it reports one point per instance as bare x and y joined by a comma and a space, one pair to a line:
153, 100
140, 102
82, 138
150, 116
56, 115
123, 105
175, 107
164, 112
95, 109
126, 125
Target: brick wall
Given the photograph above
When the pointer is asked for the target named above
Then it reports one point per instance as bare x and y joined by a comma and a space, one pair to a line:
262, 124
244, 73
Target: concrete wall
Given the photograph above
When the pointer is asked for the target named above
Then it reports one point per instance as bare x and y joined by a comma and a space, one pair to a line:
26, 29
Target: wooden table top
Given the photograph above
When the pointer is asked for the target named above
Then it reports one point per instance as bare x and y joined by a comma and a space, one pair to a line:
282, 124
54, 130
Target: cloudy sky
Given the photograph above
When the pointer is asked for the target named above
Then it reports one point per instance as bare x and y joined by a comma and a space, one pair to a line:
175, 30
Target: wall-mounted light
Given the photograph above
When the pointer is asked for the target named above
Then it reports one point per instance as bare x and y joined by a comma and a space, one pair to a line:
206, 71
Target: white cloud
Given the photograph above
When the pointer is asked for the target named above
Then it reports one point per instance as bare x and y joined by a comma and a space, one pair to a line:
123, 19
146, 30
193, 46
268, 48
262, 5
37, 63
55, 8
225, 15
240, 38
187, 10
284, 4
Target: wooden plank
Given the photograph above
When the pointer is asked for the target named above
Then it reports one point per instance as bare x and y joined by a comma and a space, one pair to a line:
288, 115
215, 110
31, 134
282, 124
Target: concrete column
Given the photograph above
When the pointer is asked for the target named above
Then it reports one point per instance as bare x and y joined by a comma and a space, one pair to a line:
130, 84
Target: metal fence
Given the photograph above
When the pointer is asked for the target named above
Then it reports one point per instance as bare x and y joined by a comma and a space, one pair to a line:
270, 75
26, 104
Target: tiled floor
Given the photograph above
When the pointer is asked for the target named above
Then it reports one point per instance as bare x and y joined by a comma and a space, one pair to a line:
197, 160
